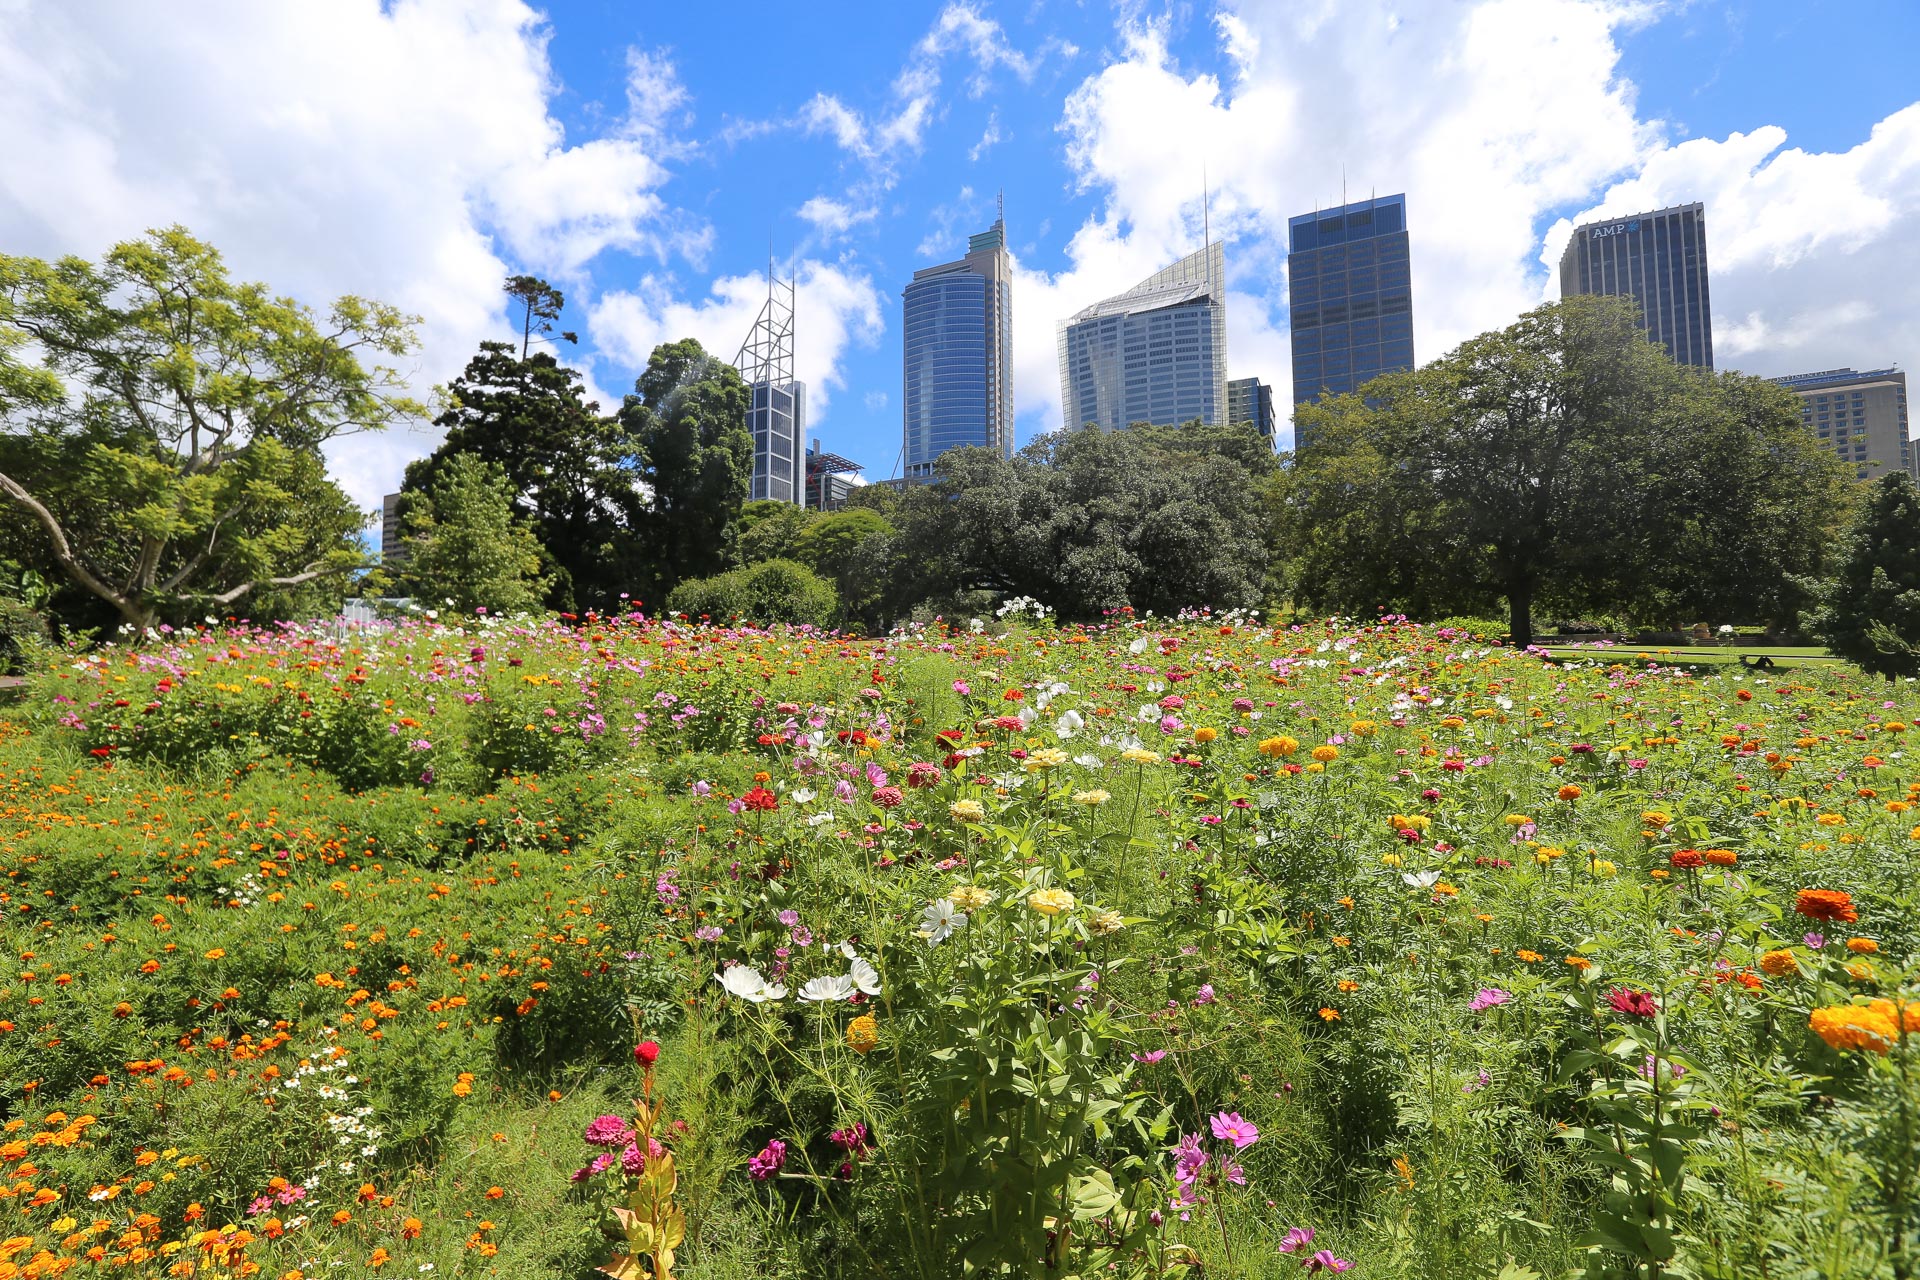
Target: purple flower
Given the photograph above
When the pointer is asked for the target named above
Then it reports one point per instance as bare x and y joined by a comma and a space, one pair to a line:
1325, 1261
1205, 994
708, 933
1488, 997
1815, 940
1150, 1057
1188, 1159
789, 917
1298, 1238
1228, 1126
772, 1158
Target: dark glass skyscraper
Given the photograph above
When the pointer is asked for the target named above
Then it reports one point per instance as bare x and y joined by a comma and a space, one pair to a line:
958, 349
1350, 295
1660, 260
1250, 400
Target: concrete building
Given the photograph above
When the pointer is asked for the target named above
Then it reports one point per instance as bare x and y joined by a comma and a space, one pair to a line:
957, 322
1350, 295
829, 479
1862, 417
1251, 400
393, 542
1660, 260
1154, 354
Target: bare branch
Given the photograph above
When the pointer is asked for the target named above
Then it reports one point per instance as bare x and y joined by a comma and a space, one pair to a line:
307, 574
63, 550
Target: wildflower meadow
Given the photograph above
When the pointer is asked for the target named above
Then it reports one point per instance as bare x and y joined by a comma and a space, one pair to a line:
1159, 948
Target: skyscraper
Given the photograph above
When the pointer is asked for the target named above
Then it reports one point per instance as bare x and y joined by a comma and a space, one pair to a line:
1660, 260
1350, 295
1862, 417
777, 404
1250, 400
957, 319
1155, 354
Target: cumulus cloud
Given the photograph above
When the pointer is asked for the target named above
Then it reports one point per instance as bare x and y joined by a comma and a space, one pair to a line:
402, 150
835, 307
835, 217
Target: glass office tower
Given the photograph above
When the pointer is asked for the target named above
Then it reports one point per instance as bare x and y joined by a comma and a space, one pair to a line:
1250, 400
1660, 260
1154, 354
1350, 296
958, 356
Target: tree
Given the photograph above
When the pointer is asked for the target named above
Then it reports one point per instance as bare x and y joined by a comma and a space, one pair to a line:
851, 549
542, 303
768, 530
574, 473
1564, 460
687, 420
163, 424
773, 591
465, 545
1870, 612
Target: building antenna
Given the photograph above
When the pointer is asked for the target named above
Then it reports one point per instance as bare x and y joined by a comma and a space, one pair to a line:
1000, 210
1206, 226
1343, 184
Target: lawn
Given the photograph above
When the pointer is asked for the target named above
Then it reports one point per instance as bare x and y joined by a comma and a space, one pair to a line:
1149, 949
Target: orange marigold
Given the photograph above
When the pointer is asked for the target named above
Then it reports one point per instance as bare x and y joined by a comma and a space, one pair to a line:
1778, 964
1873, 1027
1569, 792
1720, 857
1826, 904
1862, 946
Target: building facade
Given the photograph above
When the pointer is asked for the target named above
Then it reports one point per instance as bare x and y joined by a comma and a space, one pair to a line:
1251, 400
393, 537
1862, 417
1350, 296
1154, 354
957, 322
1659, 259
777, 401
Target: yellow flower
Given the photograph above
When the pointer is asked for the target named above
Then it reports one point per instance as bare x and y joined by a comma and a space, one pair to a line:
1205, 735
1140, 755
1045, 758
1278, 745
969, 897
967, 810
1831, 820
1326, 753
1392, 860
1364, 728
1330, 1015
1655, 818
1091, 798
1316, 766
1601, 867
1050, 902
1870, 1027
1779, 964
1105, 922
863, 1033
1517, 819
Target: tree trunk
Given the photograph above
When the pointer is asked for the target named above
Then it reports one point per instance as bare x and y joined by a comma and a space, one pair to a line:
1520, 612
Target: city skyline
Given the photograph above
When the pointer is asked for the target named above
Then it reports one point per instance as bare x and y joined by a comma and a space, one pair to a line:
1155, 353
628, 159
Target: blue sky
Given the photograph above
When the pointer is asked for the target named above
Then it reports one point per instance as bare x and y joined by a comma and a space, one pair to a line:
640, 156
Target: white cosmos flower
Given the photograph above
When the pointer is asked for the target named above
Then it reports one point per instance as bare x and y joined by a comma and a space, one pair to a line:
864, 976
833, 987
819, 819
1069, 723
1420, 879
1088, 760
1138, 646
744, 981
802, 795
939, 920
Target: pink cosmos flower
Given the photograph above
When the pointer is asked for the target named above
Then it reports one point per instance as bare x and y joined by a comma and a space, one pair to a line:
1228, 1126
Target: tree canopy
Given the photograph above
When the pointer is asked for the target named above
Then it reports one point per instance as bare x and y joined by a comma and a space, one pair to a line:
465, 545
1870, 611
1564, 461
162, 424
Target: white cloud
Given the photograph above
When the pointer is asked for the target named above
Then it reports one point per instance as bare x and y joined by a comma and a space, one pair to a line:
835, 308
989, 137
835, 217
401, 150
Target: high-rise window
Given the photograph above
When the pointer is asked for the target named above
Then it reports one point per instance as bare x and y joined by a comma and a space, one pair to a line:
1350, 296
958, 355
1154, 354
1660, 260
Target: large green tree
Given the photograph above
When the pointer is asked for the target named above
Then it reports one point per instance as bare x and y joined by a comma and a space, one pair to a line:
1564, 461
1870, 611
687, 419
163, 424
467, 548
574, 473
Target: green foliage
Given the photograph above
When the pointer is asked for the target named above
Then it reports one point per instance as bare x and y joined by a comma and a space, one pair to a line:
769, 530
571, 470
465, 546
164, 442
766, 594
1870, 611
1564, 461
687, 418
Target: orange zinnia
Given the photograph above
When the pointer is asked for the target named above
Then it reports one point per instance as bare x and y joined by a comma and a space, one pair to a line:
1826, 904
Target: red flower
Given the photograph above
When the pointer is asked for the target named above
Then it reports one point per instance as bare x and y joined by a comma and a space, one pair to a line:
1826, 904
1633, 1004
646, 1053
760, 800
1686, 859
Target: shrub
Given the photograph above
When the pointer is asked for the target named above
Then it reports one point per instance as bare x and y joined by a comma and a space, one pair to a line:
767, 593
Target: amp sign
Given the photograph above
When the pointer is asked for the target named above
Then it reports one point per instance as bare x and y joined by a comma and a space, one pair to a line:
1614, 229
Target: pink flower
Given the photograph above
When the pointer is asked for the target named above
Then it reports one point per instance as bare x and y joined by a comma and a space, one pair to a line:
888, 797
1151, 1057
608, 1131
1325, 1261
1634, 1004
1228, 1126
1488, 997
1298, 1238
772, 1158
